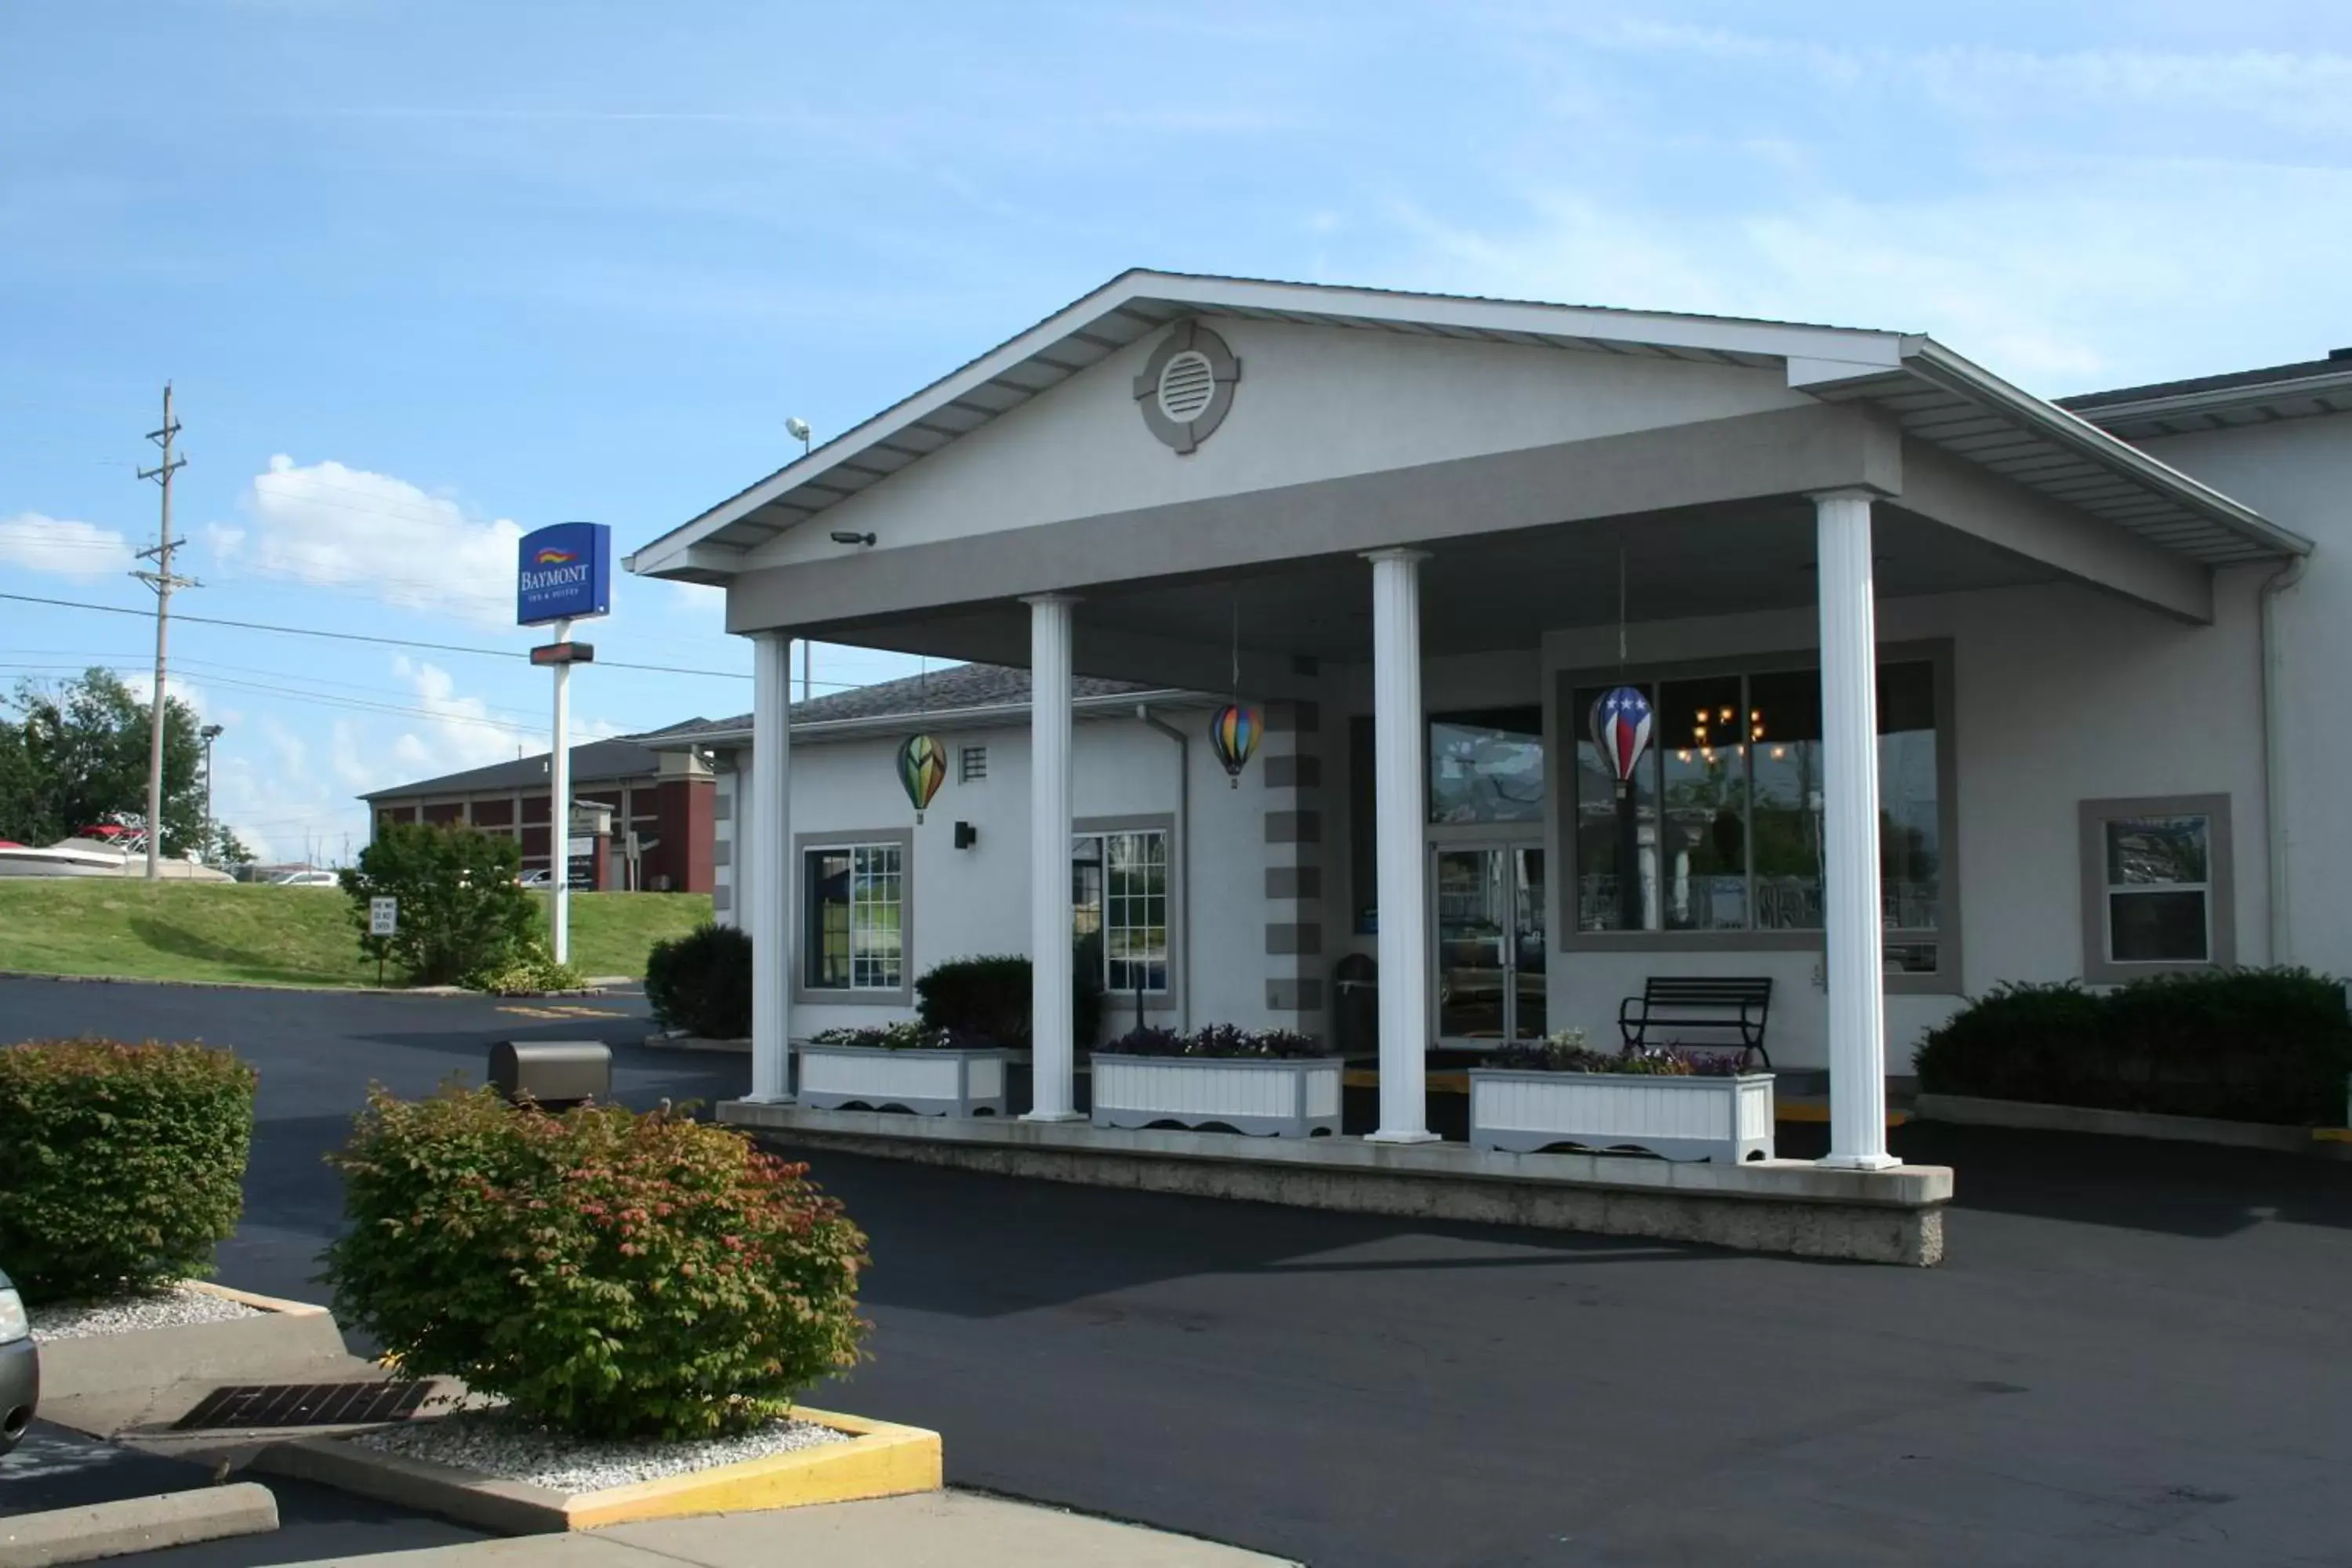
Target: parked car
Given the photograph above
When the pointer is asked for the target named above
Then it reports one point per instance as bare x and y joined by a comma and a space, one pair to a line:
20, 1368
540, 878
306, 879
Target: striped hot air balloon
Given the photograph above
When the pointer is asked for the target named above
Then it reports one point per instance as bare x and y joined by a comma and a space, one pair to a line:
1621, 731
1233, 734
922, 768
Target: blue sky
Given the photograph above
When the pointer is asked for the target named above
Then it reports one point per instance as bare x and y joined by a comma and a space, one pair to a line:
426, 273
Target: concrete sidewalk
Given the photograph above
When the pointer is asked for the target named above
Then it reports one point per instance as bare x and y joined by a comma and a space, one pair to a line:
935, 1530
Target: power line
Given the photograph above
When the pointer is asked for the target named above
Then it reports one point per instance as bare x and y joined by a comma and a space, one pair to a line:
386, 642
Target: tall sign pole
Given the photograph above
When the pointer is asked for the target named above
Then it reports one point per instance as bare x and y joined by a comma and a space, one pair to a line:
564, 574
163, 581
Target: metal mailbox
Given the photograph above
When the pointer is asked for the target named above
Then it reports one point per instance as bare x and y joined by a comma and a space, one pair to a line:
555, 1073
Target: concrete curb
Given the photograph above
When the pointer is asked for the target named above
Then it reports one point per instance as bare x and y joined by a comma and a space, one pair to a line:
1793, 1206
2033, 1115
601, 985
136, 1524
288, 1342
881, 1460
669, 1042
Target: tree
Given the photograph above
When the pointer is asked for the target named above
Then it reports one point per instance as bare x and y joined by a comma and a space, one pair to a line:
77, 755
460, 912
228, 849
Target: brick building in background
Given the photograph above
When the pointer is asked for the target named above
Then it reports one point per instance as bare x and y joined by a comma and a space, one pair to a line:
661, 804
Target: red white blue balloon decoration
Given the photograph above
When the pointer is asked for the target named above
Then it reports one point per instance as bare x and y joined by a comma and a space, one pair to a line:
1621, 731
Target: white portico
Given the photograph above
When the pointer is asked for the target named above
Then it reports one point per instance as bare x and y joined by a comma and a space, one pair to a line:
1414, 510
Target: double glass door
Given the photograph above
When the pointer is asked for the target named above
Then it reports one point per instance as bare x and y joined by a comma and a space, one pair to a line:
1490, 958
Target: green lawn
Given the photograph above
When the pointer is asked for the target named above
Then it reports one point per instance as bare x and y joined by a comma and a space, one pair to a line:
285, 936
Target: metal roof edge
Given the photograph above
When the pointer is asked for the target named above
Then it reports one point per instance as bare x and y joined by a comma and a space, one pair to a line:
949, 718
2212, 399
1933, 362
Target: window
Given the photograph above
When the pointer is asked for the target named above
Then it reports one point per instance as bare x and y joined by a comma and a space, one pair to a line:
1720, 828
973, 764
1119, 906
1487, 766
855, 929
2156, 886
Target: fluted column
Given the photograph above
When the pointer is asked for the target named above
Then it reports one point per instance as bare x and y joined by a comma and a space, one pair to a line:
1855, 943
1052, 1048
765, 875
1401, 817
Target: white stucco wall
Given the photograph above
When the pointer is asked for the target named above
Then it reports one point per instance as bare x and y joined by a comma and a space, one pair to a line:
1313, 403
976, 901
2298, 473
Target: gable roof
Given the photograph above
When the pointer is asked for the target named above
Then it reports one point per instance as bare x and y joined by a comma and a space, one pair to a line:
622, 757
1935, 395
963, 691
2223, 402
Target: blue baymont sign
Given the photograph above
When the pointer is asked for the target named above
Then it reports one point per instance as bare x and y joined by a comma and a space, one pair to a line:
565, 571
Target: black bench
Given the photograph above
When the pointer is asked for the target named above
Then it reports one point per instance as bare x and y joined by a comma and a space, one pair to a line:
1700, 1002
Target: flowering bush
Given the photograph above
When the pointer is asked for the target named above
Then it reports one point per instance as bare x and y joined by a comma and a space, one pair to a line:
1565, 1051
1223, 1040
120, 1166
611, 1274
908, 1036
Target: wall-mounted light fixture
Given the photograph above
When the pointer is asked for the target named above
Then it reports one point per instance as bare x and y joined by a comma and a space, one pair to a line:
850, 536
966, 836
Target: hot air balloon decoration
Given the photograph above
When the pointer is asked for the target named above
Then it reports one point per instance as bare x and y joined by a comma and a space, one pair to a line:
922, 768
1621, 731
1234, 735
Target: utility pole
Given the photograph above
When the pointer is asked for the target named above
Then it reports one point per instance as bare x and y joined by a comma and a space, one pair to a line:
808, 687
163, 581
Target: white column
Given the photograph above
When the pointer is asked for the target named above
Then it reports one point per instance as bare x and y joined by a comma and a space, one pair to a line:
1855, 946
763, 876
1052, 1048
1401, 818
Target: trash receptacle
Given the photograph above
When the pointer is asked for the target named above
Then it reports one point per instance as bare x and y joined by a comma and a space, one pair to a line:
555, 1073
1356, 1006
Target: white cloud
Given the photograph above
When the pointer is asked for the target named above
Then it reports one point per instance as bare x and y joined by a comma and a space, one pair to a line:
329, 526
61, 547
460, 734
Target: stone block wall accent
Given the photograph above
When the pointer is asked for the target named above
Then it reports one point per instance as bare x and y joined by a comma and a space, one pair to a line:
1290, 765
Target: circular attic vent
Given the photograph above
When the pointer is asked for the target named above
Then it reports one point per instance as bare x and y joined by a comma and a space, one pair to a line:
1187, 385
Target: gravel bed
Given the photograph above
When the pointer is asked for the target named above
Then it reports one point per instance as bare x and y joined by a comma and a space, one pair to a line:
180, 1305
492, 1445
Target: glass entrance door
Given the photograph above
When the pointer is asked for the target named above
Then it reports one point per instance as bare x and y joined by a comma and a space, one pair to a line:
1490, 958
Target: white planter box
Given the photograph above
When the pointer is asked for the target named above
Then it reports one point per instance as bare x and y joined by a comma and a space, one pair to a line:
1287, 1097
1727, 1120
926, 1082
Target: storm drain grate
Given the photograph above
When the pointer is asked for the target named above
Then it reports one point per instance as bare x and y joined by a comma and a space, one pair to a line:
303, 1404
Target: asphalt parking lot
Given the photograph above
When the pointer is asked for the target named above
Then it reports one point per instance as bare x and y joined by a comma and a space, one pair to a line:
2135, 1356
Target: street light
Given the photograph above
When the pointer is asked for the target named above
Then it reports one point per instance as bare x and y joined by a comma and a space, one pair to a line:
208, 734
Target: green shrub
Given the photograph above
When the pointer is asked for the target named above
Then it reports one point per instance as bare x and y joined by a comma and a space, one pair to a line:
527, 972
120, 1166
2244, 1044
460, 912
609, 1274
989, 996
701, 983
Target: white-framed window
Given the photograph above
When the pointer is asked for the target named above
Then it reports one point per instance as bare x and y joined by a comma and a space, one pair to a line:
1120, 900
855, 934
972, 764
2156, 886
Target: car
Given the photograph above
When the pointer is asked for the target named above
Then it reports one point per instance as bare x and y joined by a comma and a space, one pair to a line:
20, 1368
540, 878
306, 879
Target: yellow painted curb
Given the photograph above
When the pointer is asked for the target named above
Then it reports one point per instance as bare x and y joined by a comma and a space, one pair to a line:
881, 1460
260, 1304
2332, 1134
1786, 1112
